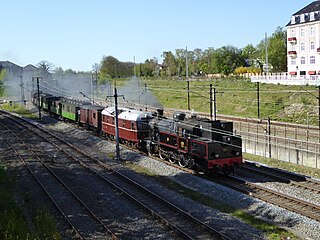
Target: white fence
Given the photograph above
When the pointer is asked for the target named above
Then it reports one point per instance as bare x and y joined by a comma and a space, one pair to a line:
285, 79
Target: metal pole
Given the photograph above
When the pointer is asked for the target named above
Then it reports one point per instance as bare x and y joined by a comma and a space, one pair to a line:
39, 104
187, 73
117, 124
319, 108
134, 66
214, 104
267, 61
269, 136
22, 91
92, 89
187, 78
145, 96
188, 91
258, 98
211, 104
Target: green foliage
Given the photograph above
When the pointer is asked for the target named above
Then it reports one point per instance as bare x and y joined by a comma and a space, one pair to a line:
3, 74
277, 50
12, 222
113, 68
20, 109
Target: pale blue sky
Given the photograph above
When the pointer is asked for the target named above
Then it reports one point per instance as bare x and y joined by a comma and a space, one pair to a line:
78, 33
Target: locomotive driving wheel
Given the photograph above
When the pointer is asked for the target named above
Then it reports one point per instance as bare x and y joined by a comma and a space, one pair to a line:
172, 159
183, 161
161, 155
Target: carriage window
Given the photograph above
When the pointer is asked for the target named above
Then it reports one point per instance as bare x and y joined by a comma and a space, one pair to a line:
123, 124
132, 126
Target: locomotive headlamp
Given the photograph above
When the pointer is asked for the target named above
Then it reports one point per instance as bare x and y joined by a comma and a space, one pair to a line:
217, 155
237, 153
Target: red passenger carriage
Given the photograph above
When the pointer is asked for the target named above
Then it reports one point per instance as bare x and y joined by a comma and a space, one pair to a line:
133, 125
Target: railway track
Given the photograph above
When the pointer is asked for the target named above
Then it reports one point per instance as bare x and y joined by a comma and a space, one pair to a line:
293, 204
284, 176
55, 187
183, 223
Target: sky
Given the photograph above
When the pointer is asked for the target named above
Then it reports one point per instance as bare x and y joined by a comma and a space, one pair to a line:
77, 33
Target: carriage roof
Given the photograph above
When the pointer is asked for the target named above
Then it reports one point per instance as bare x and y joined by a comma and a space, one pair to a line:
127, 114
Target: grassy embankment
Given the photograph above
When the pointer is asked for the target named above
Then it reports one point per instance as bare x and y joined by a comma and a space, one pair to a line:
19, 109
238, 97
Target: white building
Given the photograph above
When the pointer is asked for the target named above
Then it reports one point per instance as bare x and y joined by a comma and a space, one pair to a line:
303, 32
303, 49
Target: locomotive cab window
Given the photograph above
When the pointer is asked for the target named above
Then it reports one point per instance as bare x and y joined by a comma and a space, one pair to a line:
94, 116
132, 126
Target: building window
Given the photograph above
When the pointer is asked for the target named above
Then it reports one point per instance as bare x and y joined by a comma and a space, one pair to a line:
302, 46
293, 32
312, 31
302, 32
293, 61
312, 16
312, 60
303, 60
312, 46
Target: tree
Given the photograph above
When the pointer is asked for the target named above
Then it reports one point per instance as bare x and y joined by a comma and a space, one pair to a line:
45, 69
227, 59
250, 54
3, 74
149, 68
169, 64
277, 51
112, 68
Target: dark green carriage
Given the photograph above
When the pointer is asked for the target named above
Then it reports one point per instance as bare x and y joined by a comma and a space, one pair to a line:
70, 109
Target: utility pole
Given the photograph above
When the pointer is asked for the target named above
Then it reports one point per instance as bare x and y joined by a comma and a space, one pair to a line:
267, 61
92, 88
269, 136
134, 66
187, 78
188, 91
38, 90
258, 98
214, 104
319, 108
145, 96
22, 91
116, 122
211, 104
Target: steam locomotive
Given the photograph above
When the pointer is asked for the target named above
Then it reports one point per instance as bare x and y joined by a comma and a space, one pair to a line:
198, 143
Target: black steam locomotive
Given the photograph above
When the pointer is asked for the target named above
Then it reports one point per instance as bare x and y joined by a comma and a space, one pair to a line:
199, 143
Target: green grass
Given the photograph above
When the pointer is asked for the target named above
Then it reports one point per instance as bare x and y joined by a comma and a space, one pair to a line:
13, 224
19, 109
272, 231
284, 165
238, 97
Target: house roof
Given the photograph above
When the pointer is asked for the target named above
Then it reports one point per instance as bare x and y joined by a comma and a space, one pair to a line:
29, 67
312, 7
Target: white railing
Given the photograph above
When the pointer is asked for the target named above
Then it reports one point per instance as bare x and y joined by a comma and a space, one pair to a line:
285, 79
